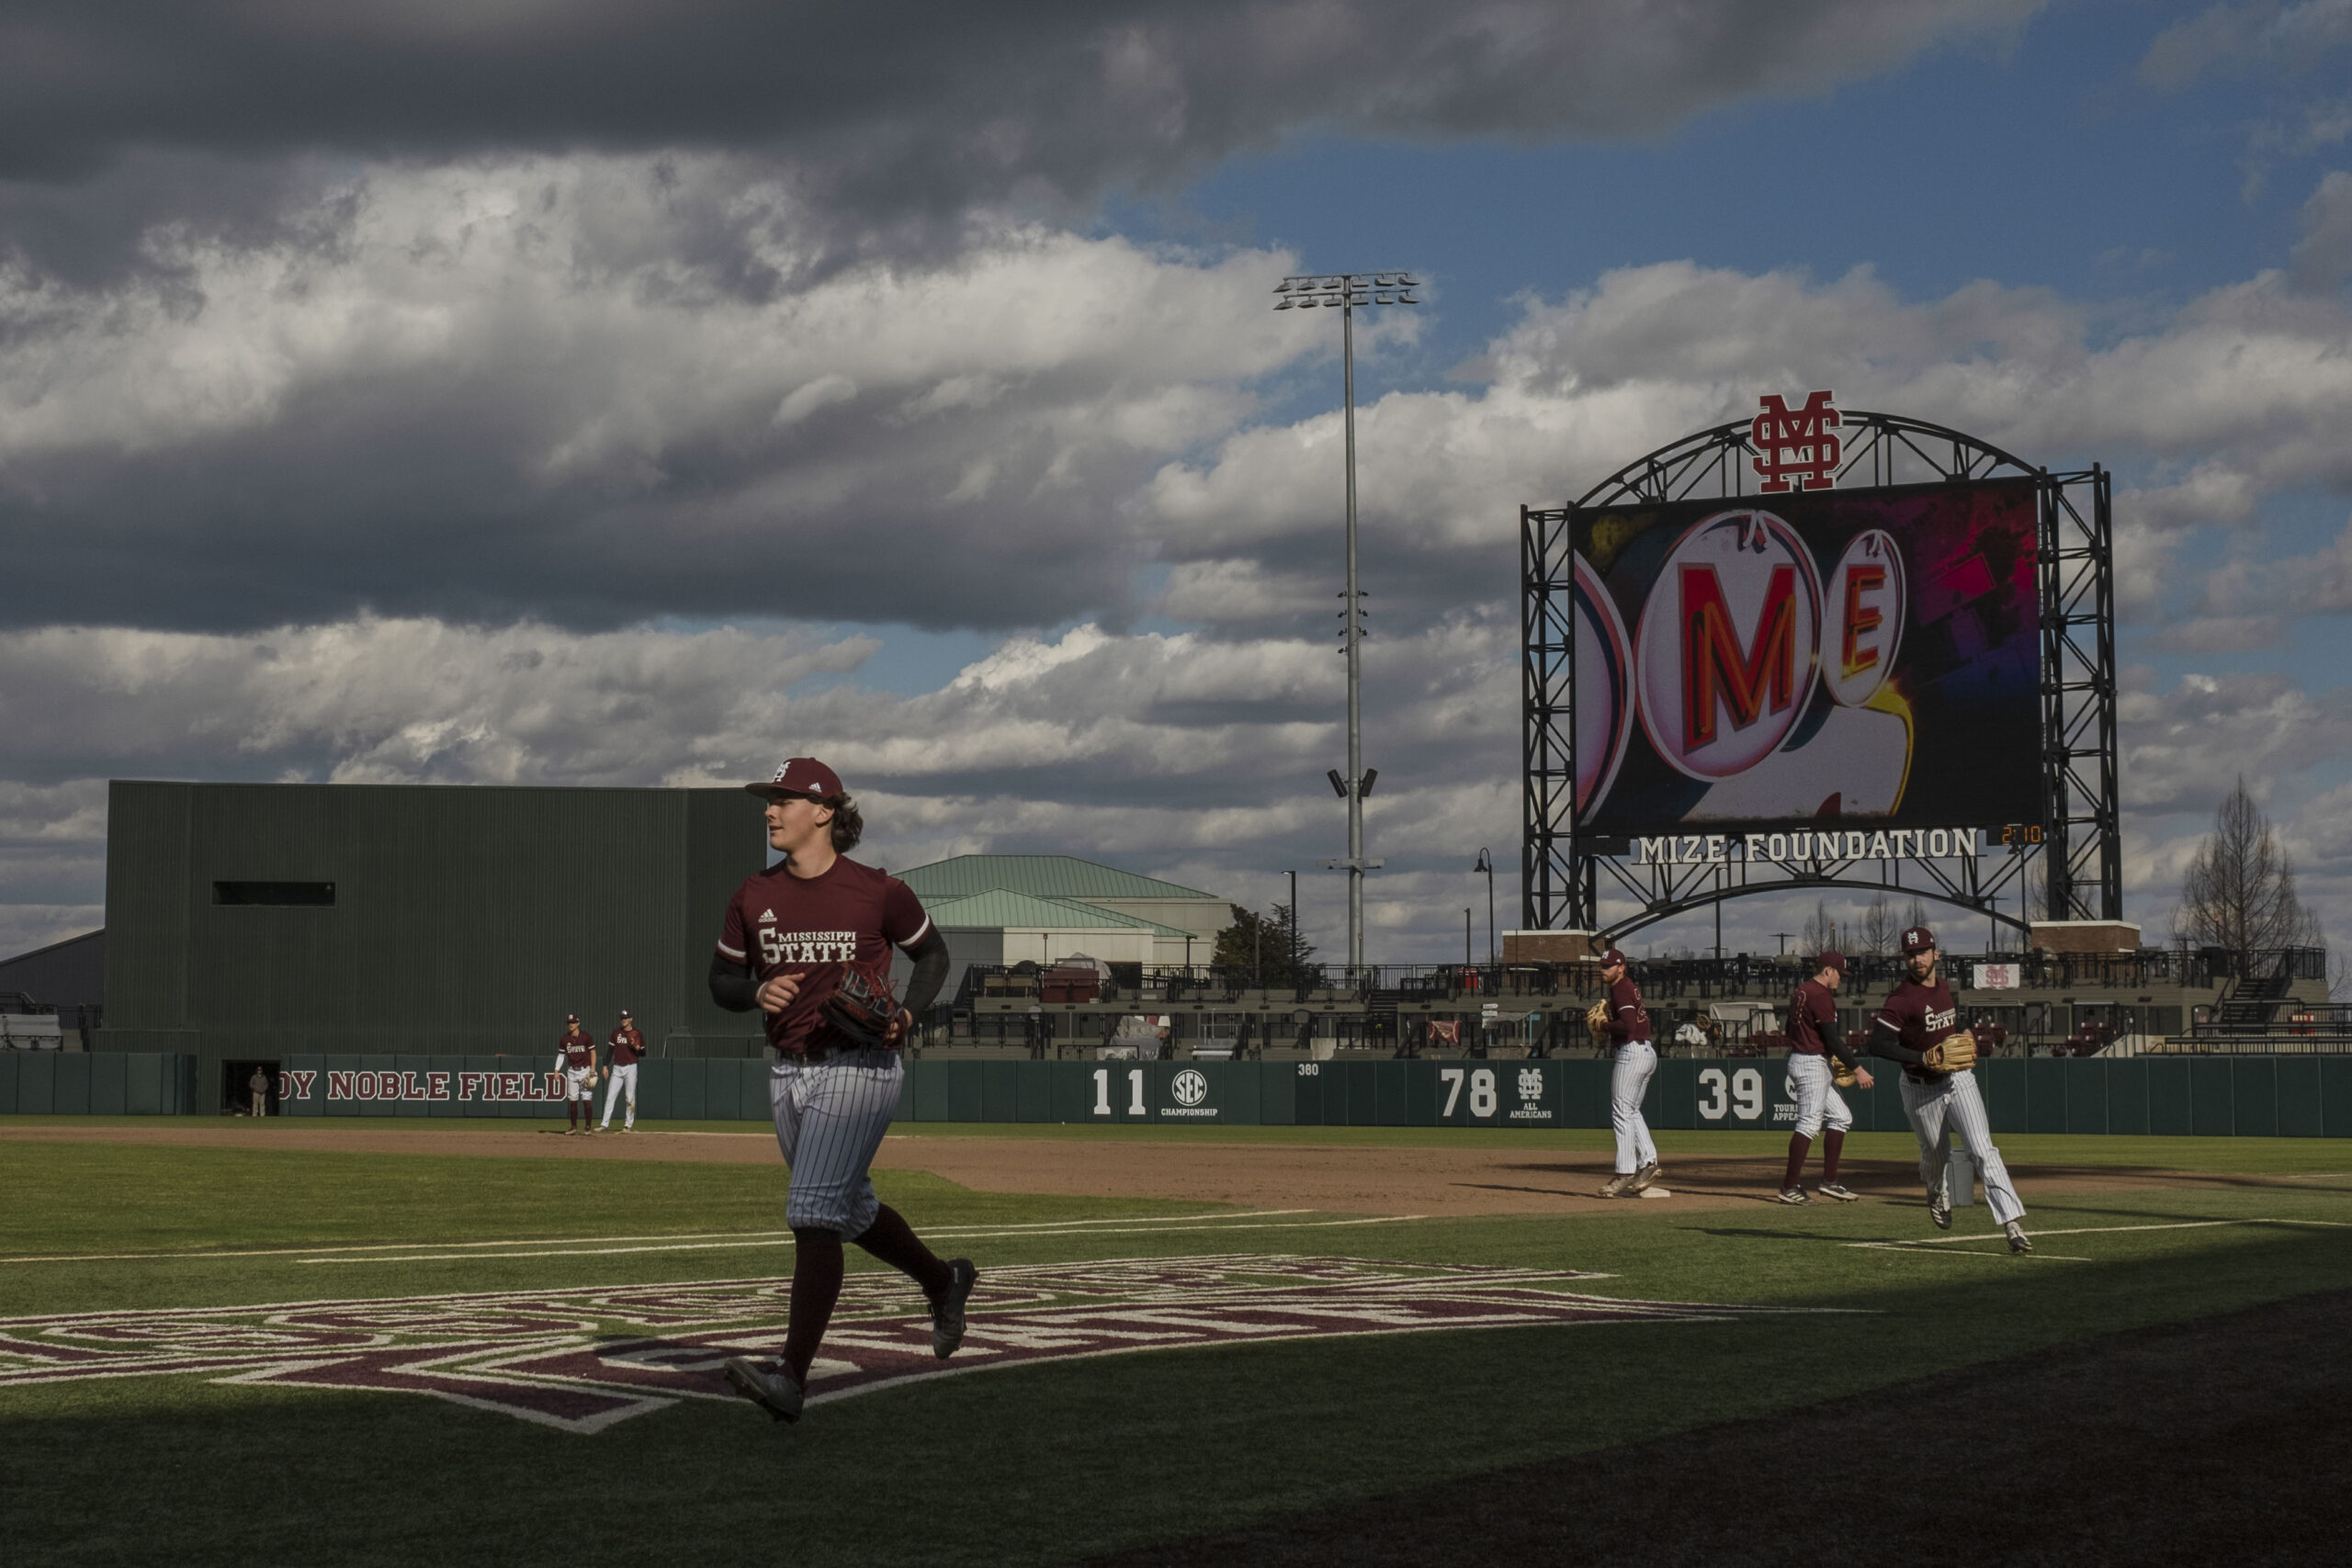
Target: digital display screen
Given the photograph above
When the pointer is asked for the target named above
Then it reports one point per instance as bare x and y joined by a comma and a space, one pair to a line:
1860, 656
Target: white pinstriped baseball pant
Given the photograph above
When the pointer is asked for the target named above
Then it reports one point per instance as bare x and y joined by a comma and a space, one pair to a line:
623, 1081
1954, 1101
1811, 1086
829, 1117
1629, 1081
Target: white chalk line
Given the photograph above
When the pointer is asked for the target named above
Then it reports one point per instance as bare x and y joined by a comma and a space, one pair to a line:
1056, 1225
1901, 1247
1914, 1245
1021, 1233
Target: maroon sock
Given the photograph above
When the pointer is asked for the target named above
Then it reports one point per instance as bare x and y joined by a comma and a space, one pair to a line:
816, 1286
1798, 1144
894, 1241
1831, 1141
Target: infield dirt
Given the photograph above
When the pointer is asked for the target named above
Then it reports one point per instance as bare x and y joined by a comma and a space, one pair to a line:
1336, 1178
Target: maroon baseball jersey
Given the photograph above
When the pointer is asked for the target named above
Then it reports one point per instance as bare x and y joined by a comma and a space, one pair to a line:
1921, 1015
1813, 1017
1628, 1019
627, 1046
578, 1051
819, 928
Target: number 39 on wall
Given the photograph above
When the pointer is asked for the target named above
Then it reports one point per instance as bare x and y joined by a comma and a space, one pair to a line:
1741, 1093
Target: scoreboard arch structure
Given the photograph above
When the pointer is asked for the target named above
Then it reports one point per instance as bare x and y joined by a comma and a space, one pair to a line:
1566, 867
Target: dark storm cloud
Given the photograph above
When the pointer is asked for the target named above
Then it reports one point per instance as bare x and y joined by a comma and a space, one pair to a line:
896, 111
499, 390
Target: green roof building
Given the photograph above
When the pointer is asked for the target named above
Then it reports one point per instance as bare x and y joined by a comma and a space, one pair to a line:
1005, 909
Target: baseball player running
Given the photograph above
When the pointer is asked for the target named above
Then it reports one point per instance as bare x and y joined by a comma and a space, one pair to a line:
1628, 1026
1919, 1026
627, 1047
807, 941
1813, 1042
575, 1058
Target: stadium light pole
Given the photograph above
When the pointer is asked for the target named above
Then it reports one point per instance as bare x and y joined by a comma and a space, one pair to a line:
1294, 925
1486, 865
1350, 291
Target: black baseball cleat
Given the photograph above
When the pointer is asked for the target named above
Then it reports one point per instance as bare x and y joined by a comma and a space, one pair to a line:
1794, 1195
1940, 1210
948, 1307
774, 1392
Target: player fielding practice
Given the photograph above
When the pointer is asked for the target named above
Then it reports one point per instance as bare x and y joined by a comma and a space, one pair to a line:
1919, 1027
807, 941
575, 1058
1813, 1045
1627, 1024
628, 1047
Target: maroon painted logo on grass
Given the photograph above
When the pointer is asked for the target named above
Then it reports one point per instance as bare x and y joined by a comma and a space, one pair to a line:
583, 1359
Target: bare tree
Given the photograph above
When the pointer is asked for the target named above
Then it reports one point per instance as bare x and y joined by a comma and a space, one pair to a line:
1915, 914
1879, 930
2239, 891
1820, 930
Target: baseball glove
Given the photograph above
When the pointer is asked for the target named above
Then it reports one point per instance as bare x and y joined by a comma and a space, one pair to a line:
1596, 1021
1841, 1072
1956, 1055
861, 1009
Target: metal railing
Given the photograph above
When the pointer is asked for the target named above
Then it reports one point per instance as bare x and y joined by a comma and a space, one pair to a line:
1741, 976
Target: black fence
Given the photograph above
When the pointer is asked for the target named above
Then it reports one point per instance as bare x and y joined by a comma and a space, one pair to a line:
1740, 977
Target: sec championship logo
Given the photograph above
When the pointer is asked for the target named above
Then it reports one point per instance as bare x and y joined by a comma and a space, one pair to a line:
1190, 1086
1728, 644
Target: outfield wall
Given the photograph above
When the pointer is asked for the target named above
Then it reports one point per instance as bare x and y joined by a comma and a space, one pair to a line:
2249, 1096
97, 1083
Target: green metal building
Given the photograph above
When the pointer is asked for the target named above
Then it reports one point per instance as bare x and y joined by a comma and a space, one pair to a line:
246, 923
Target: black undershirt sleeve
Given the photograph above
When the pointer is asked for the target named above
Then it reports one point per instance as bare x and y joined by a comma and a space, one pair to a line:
931, 972
1886, 1041
732, 985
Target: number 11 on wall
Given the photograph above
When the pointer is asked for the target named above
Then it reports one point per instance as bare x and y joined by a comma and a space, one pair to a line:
1135, 1106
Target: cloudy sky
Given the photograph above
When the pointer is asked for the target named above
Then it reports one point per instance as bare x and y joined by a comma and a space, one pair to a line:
605, 392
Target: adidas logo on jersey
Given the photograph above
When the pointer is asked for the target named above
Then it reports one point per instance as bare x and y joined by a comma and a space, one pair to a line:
767, 914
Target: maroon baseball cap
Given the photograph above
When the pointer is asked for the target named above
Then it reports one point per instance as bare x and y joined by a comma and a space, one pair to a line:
1919, 939
801, 776
1612, 956
1832, 960
572, 1018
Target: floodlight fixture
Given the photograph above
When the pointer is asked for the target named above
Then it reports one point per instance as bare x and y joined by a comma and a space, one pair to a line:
1349, 292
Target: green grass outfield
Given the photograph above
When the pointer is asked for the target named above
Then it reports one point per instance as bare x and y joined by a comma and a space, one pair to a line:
1041, 1462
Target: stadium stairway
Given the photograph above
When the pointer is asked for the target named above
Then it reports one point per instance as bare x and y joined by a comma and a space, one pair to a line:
2251, 1005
